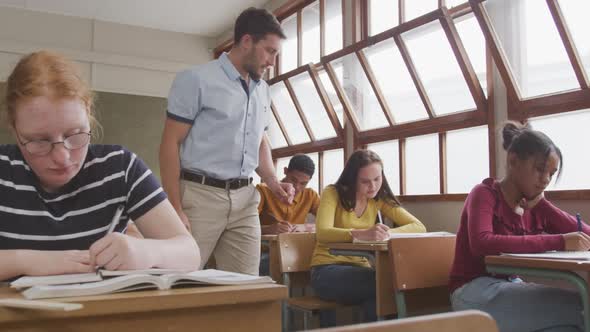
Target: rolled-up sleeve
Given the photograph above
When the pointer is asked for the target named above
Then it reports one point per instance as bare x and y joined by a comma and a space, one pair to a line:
185, 97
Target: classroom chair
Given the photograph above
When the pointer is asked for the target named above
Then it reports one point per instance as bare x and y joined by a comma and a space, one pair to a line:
460, 321
295, 252
421, 264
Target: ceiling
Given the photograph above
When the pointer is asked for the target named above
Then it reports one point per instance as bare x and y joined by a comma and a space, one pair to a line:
208, 18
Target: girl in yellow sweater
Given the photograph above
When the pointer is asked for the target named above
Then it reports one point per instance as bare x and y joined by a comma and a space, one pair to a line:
348, 210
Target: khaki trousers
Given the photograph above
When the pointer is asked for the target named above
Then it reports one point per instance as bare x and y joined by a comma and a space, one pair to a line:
224, 223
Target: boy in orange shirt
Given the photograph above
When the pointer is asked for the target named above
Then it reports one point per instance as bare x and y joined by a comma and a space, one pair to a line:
278, 217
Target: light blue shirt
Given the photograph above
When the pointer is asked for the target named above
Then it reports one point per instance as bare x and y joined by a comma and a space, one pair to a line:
227, 123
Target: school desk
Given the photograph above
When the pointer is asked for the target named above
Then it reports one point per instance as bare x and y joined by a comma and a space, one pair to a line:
206, 308
377, 254
270, 240
555, 269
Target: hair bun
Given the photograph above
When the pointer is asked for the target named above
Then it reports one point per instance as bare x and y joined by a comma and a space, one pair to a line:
511, 131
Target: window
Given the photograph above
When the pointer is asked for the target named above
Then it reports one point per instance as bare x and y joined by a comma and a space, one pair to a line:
565, 130
474, 43
310, 34
275, 135
333, 165
312, 106
438, 69
288, 113
360, 94
384, 15
422, 165
576, 16
419, 8
332, 92
467, 158
288, 55
395, 81
314, 182
539, 64
389, 153
333, 24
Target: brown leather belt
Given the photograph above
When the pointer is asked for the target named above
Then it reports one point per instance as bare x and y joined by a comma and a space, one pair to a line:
213, 182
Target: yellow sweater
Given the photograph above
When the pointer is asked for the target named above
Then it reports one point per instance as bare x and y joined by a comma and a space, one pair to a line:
334, 223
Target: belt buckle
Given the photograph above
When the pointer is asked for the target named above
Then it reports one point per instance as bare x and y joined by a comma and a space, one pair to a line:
228, 184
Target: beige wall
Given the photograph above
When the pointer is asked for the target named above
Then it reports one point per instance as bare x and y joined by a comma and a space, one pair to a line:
113, 57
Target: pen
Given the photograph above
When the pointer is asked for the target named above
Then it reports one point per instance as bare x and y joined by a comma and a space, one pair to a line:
116, 218
579, 218
379, 215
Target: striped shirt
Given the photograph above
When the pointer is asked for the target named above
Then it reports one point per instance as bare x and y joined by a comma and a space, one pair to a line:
80, 212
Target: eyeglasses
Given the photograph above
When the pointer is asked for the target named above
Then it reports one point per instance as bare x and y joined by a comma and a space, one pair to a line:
42, 147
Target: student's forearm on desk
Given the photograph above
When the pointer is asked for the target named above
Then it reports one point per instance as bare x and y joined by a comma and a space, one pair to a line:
12, 263
179, 252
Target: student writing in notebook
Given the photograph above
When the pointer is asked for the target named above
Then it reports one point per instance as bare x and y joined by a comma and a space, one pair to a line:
278, 217
59, 193
511, 215
348, 210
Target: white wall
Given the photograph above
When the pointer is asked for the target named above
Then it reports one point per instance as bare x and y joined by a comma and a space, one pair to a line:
113, 57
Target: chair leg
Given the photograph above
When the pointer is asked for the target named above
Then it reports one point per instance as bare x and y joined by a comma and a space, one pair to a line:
285, 320
306, 315
400, 302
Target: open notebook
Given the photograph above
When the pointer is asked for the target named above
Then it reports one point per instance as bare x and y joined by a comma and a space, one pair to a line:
132, 282
568, 255
407, 235
77, 278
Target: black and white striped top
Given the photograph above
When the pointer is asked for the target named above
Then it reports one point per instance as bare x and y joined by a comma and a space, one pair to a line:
80, 212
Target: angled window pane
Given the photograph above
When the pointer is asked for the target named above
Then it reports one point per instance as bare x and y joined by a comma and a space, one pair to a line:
418, 8
314, 182
275, 135
288, 113
360, 94
333, 165
475, 45
567, 132
395, 82
533, 46
288, 56
384, 15
331, 92
472, 144
575, 14
389, 153
438, 69
312, 106
282, 163
333, 40
422, 173
310, 34
454, 3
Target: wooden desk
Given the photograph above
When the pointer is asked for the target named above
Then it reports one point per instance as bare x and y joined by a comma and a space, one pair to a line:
206, 308
556, 269
270, 240
378, 255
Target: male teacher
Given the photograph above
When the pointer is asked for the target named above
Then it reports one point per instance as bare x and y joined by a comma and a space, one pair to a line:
214, 138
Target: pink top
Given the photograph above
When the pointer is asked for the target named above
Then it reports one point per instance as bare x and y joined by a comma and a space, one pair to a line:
490, 227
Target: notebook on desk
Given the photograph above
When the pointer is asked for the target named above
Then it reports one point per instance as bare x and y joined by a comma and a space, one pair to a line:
131, 282
406, 235
567, 255
76, 278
